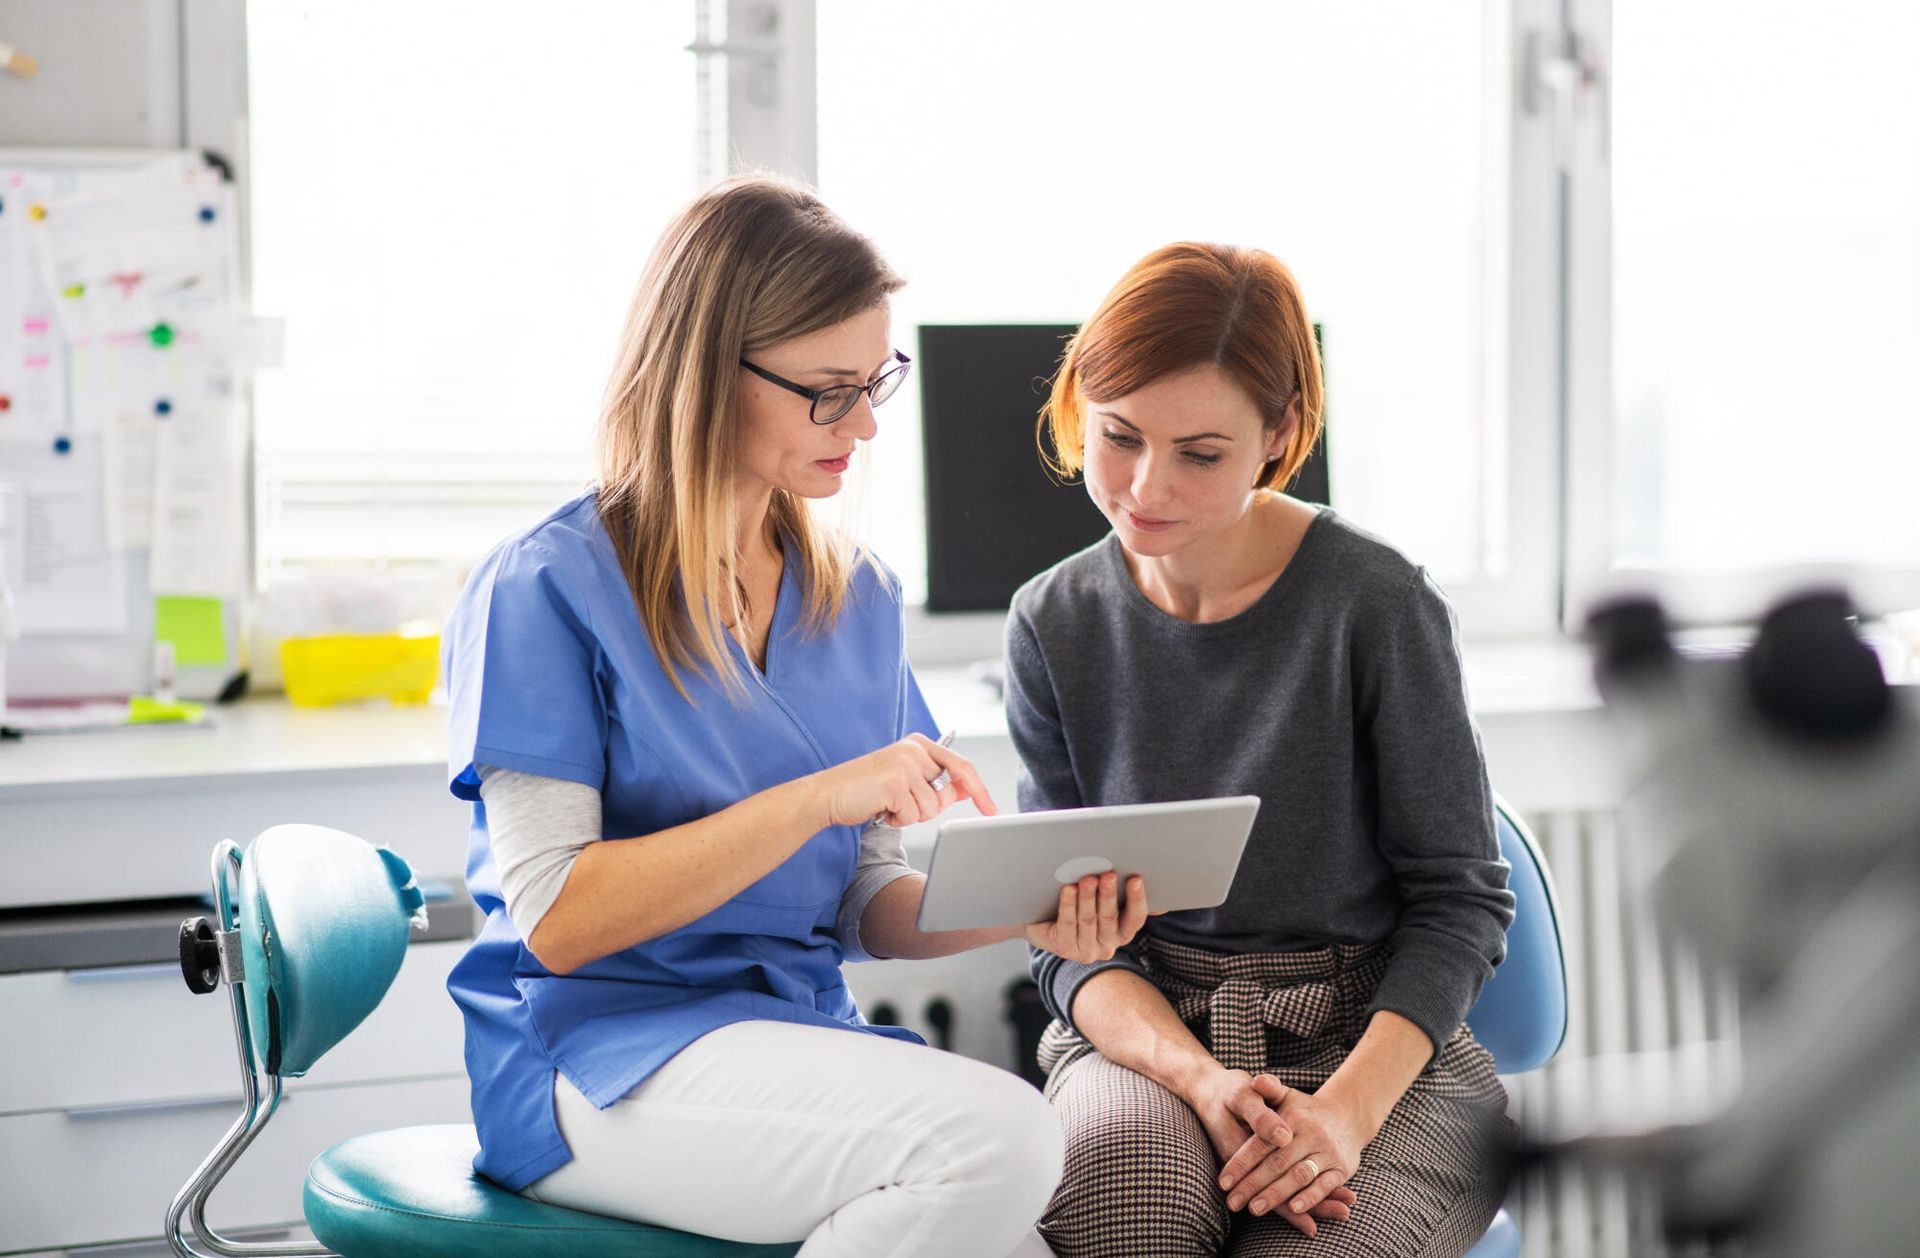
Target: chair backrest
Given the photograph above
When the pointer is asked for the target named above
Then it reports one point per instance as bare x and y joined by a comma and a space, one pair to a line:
1521, 1016
323, 919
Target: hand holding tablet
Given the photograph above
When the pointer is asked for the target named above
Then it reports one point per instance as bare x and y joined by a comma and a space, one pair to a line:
1010, 871
1093, 920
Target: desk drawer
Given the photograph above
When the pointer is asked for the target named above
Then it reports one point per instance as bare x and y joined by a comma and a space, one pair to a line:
83, 1039
67, 1180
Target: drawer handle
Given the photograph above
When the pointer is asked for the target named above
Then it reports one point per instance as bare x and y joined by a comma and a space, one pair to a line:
90, 1112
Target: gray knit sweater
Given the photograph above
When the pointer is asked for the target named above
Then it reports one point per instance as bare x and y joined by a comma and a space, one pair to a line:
1338, 699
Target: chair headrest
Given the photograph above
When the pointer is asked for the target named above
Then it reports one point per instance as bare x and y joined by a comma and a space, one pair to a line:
323, 919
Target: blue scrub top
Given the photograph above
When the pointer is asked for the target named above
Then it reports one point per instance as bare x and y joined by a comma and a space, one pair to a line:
550, 672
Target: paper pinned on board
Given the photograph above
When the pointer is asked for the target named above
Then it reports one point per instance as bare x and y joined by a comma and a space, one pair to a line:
126, 254
33, 375
199, 525
247, 342
63, 575
131, 395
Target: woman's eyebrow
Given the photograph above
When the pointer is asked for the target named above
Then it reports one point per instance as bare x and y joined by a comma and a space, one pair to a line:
850, 372
1118, 418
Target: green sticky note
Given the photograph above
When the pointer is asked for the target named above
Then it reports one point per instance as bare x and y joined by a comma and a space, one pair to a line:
196, 627
146, 710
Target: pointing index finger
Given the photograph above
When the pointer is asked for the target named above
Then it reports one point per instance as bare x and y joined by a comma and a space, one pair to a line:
956, 769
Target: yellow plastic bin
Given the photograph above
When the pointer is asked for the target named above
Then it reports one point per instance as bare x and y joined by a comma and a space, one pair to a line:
346, 667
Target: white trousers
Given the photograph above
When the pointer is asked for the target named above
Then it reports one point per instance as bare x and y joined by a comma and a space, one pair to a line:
863, 1147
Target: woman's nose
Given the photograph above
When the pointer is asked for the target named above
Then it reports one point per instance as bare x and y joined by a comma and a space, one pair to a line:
1149, 480
858, 423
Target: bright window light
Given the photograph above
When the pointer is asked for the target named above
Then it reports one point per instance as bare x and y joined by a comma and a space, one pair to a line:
1013, 159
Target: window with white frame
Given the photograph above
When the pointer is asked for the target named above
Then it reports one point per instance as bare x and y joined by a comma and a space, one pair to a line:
454, 258
1013, 159
451, 204
1763, 260
1544, 264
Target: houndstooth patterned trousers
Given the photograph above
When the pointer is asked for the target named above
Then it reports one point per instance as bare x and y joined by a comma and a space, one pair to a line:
1142, 1178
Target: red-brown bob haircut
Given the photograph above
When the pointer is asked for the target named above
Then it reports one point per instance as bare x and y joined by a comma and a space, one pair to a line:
1184, 306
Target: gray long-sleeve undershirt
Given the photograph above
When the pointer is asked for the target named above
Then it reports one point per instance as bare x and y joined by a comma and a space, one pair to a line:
1338, 699
538, 826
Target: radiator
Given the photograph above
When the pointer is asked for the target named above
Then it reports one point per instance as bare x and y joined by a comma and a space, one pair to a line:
1646, 1020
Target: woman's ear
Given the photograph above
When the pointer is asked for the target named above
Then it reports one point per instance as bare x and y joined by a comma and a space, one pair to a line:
1281, 434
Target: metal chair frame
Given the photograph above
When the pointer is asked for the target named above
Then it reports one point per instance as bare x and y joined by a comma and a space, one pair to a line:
187, 1227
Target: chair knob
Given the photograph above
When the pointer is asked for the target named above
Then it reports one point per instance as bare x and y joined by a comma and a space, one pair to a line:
199, 955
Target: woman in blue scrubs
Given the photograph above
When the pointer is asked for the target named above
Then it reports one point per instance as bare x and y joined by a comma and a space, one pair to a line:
680, 706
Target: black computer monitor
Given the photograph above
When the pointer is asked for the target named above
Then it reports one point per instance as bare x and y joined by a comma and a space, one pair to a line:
995, 516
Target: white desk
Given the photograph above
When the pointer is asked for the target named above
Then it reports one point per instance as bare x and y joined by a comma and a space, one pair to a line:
132, 814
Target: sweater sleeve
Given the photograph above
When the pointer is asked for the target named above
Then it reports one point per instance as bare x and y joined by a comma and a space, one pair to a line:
1435, 817
537, 826
1046, 781
883, 860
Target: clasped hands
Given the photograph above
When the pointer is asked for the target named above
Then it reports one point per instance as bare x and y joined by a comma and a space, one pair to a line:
1284, 1150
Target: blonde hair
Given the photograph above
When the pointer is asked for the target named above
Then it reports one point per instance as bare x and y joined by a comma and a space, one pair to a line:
1182, 306
754, 261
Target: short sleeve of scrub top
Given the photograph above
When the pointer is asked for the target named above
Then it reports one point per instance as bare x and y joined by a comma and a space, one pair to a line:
531, 699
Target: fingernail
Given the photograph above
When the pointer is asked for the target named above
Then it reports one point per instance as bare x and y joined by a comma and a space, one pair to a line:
1298, 1205
1226, 1182
1233, 1203
1259, 1207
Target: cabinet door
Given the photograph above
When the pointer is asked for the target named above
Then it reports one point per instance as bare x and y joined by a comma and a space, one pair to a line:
88, 1179
108, 1038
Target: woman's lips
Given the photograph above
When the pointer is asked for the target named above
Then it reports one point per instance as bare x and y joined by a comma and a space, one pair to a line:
834, 466
1147, 524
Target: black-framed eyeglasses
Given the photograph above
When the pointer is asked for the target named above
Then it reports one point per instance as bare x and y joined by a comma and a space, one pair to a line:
831, 403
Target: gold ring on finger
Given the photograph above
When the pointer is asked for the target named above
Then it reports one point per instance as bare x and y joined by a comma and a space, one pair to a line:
1312, 1166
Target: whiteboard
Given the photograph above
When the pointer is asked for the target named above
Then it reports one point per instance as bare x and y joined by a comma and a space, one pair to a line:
123, 427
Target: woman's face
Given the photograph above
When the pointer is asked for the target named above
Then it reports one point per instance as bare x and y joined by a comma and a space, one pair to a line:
781, 448
1174, 462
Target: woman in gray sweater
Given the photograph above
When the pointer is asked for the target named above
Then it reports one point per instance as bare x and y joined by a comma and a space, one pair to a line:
1288, 1072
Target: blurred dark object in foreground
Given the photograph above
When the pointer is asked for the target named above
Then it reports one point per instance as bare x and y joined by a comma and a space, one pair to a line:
1778, 795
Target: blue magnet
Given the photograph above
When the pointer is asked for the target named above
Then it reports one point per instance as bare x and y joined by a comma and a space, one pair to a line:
206, 213
163, 408
62, 445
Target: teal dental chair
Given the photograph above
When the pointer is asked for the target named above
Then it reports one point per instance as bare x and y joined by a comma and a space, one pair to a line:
1521, 1016
311, 928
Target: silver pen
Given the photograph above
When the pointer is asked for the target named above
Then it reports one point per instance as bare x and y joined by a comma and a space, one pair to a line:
943, 779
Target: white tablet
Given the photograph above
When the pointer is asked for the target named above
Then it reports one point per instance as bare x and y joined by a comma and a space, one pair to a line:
1007, 871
